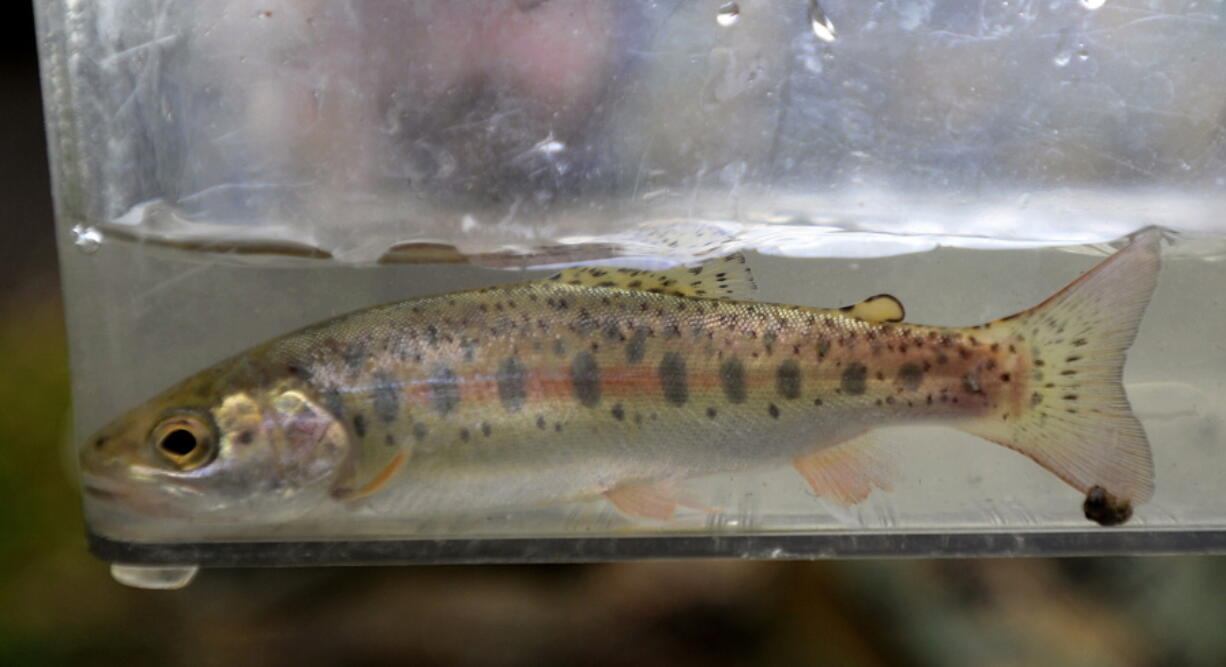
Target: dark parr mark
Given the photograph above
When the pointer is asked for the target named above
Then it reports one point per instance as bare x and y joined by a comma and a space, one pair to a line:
359, 425
732, 377
854, 378
619, 413
511, 390
787, 379
444, 390
673, 379
486, 429
711, 413
387, 397
636, 347
585, 379
773, 410
910, 376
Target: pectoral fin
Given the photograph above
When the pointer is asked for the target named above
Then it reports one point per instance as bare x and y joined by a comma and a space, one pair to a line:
847, 473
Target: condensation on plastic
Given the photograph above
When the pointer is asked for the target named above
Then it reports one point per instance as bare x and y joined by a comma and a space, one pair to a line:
563, 129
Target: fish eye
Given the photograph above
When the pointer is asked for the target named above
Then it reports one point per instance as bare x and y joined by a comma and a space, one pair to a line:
184, 440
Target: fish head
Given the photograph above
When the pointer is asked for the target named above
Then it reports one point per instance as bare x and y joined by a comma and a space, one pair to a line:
211, 451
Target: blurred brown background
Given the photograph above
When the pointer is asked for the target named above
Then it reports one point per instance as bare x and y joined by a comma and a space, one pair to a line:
58, 605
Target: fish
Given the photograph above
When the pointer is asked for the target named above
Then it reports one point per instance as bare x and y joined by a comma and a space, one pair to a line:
620, 384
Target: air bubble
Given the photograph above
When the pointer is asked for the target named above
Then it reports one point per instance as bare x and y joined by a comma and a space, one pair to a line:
821, 24
161, 578
86, 239
729, 14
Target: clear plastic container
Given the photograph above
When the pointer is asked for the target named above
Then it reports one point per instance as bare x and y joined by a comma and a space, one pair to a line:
228, 172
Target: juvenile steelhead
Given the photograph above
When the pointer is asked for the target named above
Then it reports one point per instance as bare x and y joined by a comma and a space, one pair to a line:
619, 382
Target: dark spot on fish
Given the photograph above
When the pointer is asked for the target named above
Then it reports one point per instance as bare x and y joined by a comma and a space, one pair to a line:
910, 376
1104, 508
889, 400
244, 438
464, 434
1069, 397
334, 403
854, 379
773, 410
1035, 399
486, 429
619, 413
444, 390
300, 372
612, 331
359, 425
387, 396
817, 402
355, 356
512, 390
585, 379
540, 422
432, 335
1005, 377
389, 440
557, 427
732, 378
673, 379
823, 346
711, 412
787, 379
420, 431
1072, 359
636, 347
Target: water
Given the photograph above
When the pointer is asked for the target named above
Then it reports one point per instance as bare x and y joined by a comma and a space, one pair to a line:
153, 316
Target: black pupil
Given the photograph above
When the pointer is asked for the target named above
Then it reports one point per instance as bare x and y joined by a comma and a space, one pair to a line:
179, 442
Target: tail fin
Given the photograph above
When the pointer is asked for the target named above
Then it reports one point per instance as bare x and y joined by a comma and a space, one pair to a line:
1077, 422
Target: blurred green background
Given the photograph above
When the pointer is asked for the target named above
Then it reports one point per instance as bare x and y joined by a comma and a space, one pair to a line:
58, 605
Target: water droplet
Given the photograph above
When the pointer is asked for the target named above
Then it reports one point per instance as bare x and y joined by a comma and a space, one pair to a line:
1083, 55
162, 578
87, 239
729, 14
1093, 4
1062, 58
821, 24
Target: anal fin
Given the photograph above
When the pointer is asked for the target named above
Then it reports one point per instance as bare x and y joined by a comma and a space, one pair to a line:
657, 500
848, 472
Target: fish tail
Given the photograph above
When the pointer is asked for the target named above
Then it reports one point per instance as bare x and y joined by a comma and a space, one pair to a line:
1071, 414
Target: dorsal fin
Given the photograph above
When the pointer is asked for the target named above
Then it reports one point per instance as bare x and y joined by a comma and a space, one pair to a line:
879, 308
724, 278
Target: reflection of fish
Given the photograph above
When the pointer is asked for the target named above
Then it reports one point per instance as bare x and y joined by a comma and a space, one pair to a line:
619, 383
